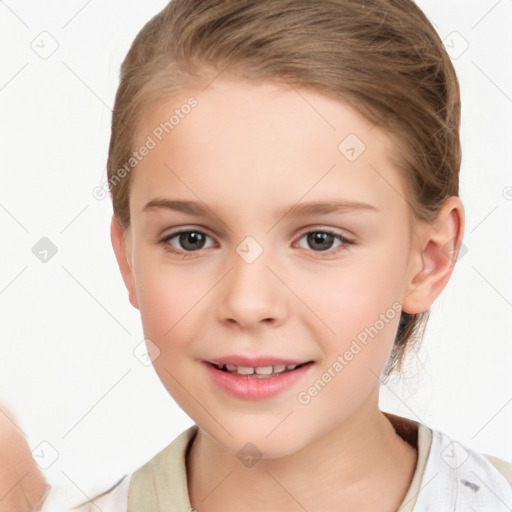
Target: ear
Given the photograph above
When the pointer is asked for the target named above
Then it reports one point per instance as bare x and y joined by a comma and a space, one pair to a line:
121, 242
434, 253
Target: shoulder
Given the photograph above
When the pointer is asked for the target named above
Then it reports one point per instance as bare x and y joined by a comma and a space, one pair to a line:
174, 453
114, 499
148, 483
456, 456
504, 467
161, 483
457, 476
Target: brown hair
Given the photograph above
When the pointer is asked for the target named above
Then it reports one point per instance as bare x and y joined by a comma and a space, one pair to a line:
382, 56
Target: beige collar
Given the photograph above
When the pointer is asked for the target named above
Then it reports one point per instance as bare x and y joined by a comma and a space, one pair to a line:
161, 484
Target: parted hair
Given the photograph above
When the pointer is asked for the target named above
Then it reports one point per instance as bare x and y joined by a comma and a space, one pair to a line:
383, 57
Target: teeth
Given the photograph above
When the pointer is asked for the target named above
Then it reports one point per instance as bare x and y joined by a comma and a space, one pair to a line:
262, 370
245, 370
259, 370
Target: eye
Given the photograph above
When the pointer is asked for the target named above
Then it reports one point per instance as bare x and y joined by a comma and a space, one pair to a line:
323, 240
182, 242
188, 241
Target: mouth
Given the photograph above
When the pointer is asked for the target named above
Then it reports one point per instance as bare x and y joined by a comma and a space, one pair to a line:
258, 372
257, 377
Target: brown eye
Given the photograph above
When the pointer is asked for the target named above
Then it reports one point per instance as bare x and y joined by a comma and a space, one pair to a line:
186, 241
191, 240
321, 241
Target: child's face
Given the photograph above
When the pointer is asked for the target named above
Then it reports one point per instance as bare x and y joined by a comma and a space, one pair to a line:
250, 153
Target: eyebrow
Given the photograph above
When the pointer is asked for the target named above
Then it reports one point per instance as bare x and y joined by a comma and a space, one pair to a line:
296, 210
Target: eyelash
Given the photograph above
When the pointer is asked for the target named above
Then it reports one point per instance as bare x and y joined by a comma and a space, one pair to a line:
186, 254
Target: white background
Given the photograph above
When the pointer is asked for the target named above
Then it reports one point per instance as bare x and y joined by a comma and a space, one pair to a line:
67, 329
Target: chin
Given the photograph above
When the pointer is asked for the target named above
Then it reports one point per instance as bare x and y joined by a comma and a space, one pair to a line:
251, 439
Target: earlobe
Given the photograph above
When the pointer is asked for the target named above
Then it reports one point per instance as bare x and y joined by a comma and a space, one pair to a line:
434, 257
121, 244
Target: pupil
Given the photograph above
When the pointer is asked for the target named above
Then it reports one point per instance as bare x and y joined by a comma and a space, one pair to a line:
323, 239
192, 240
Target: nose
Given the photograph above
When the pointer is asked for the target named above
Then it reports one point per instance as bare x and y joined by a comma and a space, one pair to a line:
251, 295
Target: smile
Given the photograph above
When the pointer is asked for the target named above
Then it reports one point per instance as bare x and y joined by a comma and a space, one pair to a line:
259, 380
258, 371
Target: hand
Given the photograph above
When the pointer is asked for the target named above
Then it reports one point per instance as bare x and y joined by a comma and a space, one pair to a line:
22, 484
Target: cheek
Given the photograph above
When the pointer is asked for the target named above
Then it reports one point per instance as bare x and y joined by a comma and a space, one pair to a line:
166, 297
169, 306
357, 308
347, 300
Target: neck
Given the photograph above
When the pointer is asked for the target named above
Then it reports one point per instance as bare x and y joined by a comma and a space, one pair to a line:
363, 464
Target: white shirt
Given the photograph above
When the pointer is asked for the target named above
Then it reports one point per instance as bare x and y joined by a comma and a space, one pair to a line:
449, 477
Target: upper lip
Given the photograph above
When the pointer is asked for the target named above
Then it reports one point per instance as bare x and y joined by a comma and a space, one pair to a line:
253, 362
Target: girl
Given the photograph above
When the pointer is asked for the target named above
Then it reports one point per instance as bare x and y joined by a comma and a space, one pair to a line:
284, 177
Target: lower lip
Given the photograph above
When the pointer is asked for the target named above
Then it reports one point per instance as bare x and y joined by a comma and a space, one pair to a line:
254, 388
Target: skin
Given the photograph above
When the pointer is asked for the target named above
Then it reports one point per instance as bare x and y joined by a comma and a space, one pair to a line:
249, 151
22, 484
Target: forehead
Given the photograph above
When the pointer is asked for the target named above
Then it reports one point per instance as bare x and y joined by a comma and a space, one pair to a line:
256, 108
244, 140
